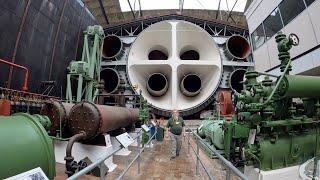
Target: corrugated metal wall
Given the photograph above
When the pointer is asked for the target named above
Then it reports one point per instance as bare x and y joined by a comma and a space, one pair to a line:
43, 35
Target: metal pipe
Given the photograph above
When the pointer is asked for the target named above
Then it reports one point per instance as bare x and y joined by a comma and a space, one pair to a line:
111, 80
25, 94
191, 85
72, 140
96, 119
26, 74
300, 86
278, 83
157, 84
112, 47
236, 80
70, 165
58, 113
237, 48
16, 45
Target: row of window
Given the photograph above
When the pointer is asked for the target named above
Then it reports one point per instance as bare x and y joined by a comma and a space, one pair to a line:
286, 11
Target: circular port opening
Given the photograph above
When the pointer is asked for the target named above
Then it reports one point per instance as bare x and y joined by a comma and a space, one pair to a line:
111, 80
192, 83
112, 46
190, 55
157, 82
238, 46
236, 80
157, 55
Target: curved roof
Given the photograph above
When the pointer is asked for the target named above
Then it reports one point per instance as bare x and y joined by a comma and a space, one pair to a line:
113, 12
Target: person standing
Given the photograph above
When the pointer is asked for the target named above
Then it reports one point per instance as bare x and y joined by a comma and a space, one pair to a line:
175, 128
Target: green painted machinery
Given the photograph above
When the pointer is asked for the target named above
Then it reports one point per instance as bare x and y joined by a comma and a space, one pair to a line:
277, 123
212, 131
25, 145
83, 79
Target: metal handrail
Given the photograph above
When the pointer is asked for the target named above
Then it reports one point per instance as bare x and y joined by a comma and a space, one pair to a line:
199, 160
227, 163
135, 158
99, 162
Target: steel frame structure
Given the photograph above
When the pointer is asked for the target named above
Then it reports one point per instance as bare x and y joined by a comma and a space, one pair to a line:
215, 29
86, 72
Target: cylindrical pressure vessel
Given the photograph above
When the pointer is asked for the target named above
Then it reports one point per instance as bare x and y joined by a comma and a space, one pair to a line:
25, 145
58, 113
300, 86
95, 119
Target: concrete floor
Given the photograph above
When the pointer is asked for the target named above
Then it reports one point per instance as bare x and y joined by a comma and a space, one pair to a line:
156, 164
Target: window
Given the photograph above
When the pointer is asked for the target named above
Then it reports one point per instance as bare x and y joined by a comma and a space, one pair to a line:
273, 23
290, 9
308, 2
258, 37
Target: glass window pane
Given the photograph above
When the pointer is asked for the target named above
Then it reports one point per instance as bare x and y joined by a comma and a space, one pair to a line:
308, 2
273, 23
258, 37
290, 9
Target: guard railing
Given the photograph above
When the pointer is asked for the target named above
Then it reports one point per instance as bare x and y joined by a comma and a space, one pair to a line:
100, 162
230, 168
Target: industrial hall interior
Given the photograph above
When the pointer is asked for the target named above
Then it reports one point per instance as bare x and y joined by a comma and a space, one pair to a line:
160, 89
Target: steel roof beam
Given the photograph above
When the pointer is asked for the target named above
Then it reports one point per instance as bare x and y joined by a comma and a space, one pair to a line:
103, 11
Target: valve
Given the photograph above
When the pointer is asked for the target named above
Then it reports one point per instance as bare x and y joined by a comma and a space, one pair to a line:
294, 39
284, 45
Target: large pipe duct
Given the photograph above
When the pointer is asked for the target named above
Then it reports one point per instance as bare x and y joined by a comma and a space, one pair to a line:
112, 47
190, 85
157, 84
236, 80
58, 114
175, 49
300, 86
95, 119
237, 48
111, 80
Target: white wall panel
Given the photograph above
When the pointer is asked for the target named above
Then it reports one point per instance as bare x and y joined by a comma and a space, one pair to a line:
261, 58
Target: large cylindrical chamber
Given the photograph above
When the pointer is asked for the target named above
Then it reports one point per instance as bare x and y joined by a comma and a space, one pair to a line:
58, 114
300, 86
25, 145
181, 61
95, 119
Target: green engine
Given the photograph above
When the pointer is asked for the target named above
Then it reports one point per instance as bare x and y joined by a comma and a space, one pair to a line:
276, 124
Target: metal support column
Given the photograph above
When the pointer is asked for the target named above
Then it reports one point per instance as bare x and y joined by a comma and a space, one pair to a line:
103, 171
188, 143
139, 147
228, 174
197, 163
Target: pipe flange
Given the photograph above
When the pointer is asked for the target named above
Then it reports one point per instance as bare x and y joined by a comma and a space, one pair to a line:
85, 117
